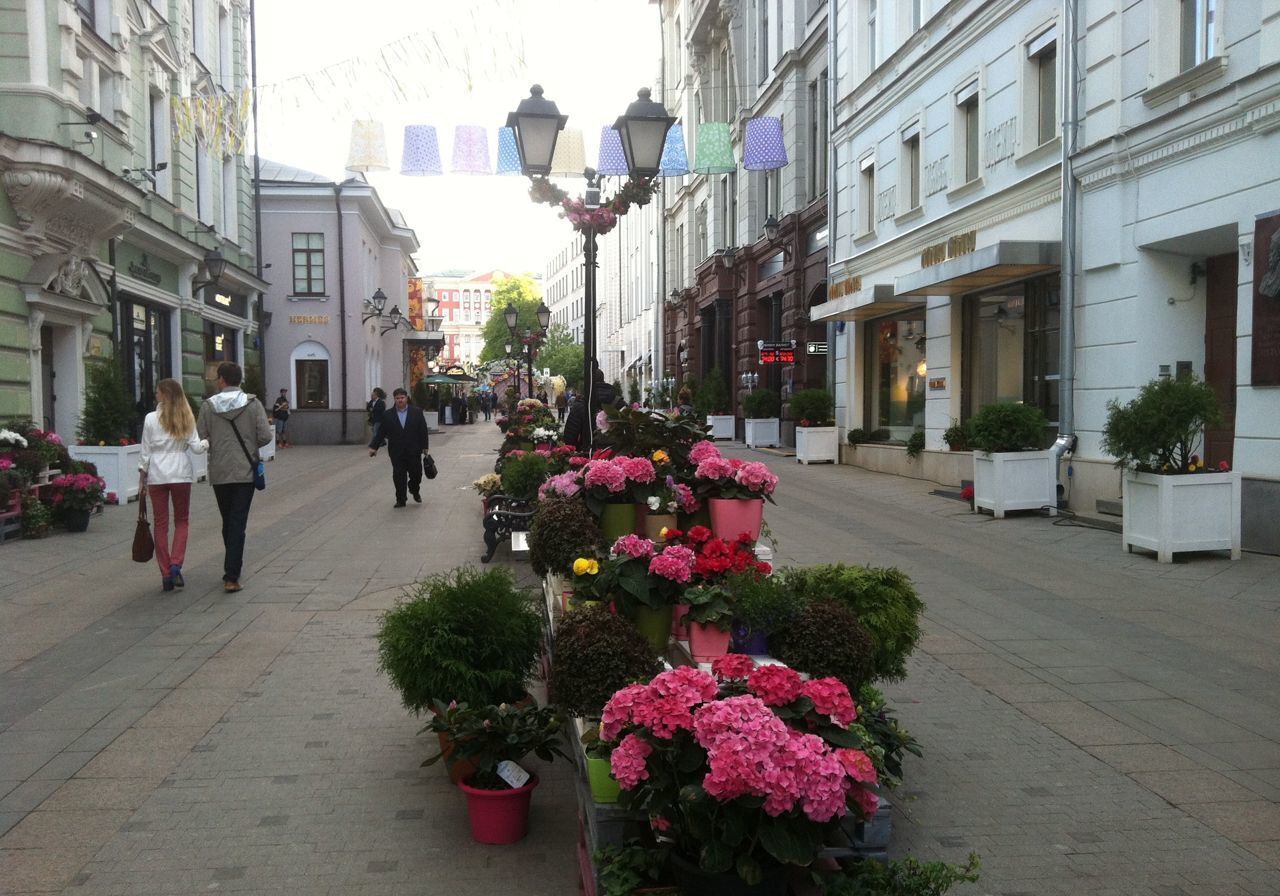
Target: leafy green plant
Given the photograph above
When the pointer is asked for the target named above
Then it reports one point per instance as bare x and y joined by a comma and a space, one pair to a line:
857, 436
639, 433
465, 635
562, 530
712, 396
763, 604
898, 877
108, 409
826, 639
623, 869
523, 476
488, 735
879, 435
877, 721
1008, 426
957, 436
761, 404
421, 395
597, 652
915, 444
709, 605
1158, 431
883, 600
36, 517
812, 407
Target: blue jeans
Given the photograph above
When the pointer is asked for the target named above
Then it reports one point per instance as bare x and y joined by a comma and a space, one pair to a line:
234, 500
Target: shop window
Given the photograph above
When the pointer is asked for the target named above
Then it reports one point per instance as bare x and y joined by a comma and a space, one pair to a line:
312, 377
897, 373
308, 264
1011, 347
220, 344
144, 334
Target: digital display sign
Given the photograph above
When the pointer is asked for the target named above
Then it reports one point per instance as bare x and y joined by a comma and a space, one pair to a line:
777, 353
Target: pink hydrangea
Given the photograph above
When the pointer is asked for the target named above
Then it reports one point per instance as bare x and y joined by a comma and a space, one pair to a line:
775, 685
565, 484
638, 469
619, 711
602, 421
756, 477
675, 563
577, 461
684, 497
636, 546
605, 474
627, 761
689, 683
703, 450
714, 468
6, 463
867, 801
831, 697
857, 765
731, 666
664, 716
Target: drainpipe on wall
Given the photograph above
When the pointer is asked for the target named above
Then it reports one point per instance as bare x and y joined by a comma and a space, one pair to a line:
833, 90
660, 310
342, 310
1065, 443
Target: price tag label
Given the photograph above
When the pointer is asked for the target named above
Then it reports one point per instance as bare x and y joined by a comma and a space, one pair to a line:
512, 774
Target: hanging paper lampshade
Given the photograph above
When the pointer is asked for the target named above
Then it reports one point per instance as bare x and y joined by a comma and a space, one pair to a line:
764, 148
421, 151
714, 154
471, 150
508, 155
368, 147
612, 159
675, 158
570, 157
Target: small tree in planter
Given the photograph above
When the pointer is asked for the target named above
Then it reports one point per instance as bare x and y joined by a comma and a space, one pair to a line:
1009, 470
761, 408
812, 409
105, 430
711, 402
1154, 438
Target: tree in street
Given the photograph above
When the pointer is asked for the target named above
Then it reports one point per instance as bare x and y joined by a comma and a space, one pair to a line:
521, 291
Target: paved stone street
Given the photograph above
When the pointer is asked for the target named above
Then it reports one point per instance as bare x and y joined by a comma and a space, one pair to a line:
1093, 722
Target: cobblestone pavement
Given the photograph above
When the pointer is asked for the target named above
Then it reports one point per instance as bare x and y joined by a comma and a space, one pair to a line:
1093, 722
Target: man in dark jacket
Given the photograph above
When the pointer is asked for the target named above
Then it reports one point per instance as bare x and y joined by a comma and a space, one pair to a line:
404, 431
579, 426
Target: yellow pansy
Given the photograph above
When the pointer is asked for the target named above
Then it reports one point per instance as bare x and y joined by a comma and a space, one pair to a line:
663, 533
660, 457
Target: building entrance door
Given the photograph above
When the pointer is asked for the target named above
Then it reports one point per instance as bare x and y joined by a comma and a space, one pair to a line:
48, 417
1220, 353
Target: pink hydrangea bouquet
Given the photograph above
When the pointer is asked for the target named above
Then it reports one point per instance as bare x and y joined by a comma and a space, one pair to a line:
78, 491
746, 771
725, 477
649, 576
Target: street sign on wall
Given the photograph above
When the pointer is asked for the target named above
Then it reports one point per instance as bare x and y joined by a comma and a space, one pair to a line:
817, 348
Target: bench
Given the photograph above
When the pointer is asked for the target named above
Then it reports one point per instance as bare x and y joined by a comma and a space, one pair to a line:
503, 516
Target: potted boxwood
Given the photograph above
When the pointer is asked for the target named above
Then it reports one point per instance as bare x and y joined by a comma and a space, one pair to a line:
1173, 500
761, 408
1010, 472
104, 430
712, 404
762, 605
816, 440
523, 474
562, 530
827, 640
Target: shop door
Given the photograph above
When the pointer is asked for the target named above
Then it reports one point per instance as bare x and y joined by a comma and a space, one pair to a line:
48, 380
1220, 353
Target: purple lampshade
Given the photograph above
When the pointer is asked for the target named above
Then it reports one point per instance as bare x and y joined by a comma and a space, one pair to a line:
471, 150
764, 149
508, 154
612, 159
421, 151
675, 158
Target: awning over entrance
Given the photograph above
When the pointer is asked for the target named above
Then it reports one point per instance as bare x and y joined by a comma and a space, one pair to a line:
1003, 262
874, 301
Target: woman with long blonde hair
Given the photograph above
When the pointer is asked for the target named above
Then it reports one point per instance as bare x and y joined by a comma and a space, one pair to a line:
168, 434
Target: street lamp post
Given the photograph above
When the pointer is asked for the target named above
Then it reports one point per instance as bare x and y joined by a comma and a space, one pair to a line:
511, 317
643, 130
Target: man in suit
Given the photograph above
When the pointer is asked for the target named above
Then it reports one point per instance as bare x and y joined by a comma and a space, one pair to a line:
404, 430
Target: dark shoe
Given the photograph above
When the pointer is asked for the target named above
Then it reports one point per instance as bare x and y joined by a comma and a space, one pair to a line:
230, 586
175, 573
400, 504
417, 497
166, 584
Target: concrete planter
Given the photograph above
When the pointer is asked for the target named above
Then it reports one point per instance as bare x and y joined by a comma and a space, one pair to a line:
117, 465
816, 444
762, 432
1191, 512
721, 426
1015, 480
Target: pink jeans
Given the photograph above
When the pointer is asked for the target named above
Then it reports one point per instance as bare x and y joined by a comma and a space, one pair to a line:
180, 492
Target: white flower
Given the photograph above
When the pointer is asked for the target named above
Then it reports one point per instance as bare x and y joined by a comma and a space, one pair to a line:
9, 436
542, 434
654, 502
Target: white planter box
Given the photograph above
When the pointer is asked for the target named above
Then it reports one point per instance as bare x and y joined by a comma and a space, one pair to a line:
721, 425
762, 432
266, 452
816, 444
433, 420
117, 465
1191, 512
1015, 480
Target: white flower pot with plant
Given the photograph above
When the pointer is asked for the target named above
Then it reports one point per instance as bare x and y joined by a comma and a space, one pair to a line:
104, 428
816, 438
116, 464
1173, 500
761, 425
1009, 470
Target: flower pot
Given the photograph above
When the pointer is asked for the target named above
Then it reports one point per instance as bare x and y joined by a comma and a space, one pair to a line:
1015, 480
499, 816
616, 521
654, 523
1189, 512
693, 881
679, 630
604, 788
75, 520
707, 641
762, 432
459, 769
748, 641
730, 517
816, 444
116, 464
722, 425
654, 624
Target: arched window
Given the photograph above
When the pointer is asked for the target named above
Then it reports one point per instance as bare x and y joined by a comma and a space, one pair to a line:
310, 363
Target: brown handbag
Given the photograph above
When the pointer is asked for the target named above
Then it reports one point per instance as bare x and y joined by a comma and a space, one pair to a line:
144, 546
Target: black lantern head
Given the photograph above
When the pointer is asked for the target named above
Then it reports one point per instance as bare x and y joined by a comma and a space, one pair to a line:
544, 315
537, 124
510, 315
771, 228
644, 133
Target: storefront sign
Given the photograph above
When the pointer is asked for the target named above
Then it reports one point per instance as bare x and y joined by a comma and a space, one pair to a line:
844, 287
778, 353
308, 319
1266, 300
142, 270
954, 247
817, 348
937, 383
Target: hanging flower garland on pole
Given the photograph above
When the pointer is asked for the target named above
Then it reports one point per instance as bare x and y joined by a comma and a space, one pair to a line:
636, 191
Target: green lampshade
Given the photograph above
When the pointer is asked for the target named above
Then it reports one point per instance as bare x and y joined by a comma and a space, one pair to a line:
714, 152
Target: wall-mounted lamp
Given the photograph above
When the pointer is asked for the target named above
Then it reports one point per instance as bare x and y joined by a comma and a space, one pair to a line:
749, 380
214, 267
267, 317
89, 138
674, 298
771, 234
395, 320
90, 117
373, 306
727, 257
922, 368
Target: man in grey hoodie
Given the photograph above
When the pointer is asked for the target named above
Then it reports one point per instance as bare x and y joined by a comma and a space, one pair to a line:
233, 461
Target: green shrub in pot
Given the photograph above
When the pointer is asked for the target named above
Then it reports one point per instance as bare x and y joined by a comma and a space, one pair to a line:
857, 436
763, 604
1008, 426
812, 407
562, 530
826, 639
596, 653
957, 436
466, 635
761, 404
522, 476
915, 444
1158, 431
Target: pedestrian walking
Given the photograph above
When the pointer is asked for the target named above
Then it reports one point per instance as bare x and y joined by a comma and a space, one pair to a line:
579, 426
375, 407
168, 434
280, 415
231, 421
404, 432
562, 405
542, 396
486, 404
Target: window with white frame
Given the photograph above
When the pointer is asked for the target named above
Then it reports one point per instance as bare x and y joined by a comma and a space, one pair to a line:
909, 170
678, 261
967, 129
763, 47
732, 221
867, 193
308, 264
1199, 31
198, 28
819, 134
204, 183
870, 40
158, 145
1040, 105
230, 200
226, 49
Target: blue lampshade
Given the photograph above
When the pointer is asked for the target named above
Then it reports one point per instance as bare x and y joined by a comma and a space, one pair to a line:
612, 159
421, 154
675, 158
764, 147
508, 154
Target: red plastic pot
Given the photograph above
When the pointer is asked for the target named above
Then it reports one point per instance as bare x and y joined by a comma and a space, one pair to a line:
499, 816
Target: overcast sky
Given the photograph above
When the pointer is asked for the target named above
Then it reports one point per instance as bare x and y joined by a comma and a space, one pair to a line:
465, 62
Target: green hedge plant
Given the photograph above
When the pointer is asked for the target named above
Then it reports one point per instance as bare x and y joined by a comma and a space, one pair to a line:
1008, 426
813, 405
826, 639
1158, 431
761, 404
597, 652
108, 410
523, 476
562, 530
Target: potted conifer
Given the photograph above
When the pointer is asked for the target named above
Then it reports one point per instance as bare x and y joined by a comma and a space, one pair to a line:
104, 430
816, 440
761, 426
712, 404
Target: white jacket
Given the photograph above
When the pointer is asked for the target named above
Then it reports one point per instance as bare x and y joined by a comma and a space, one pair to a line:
164, 458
